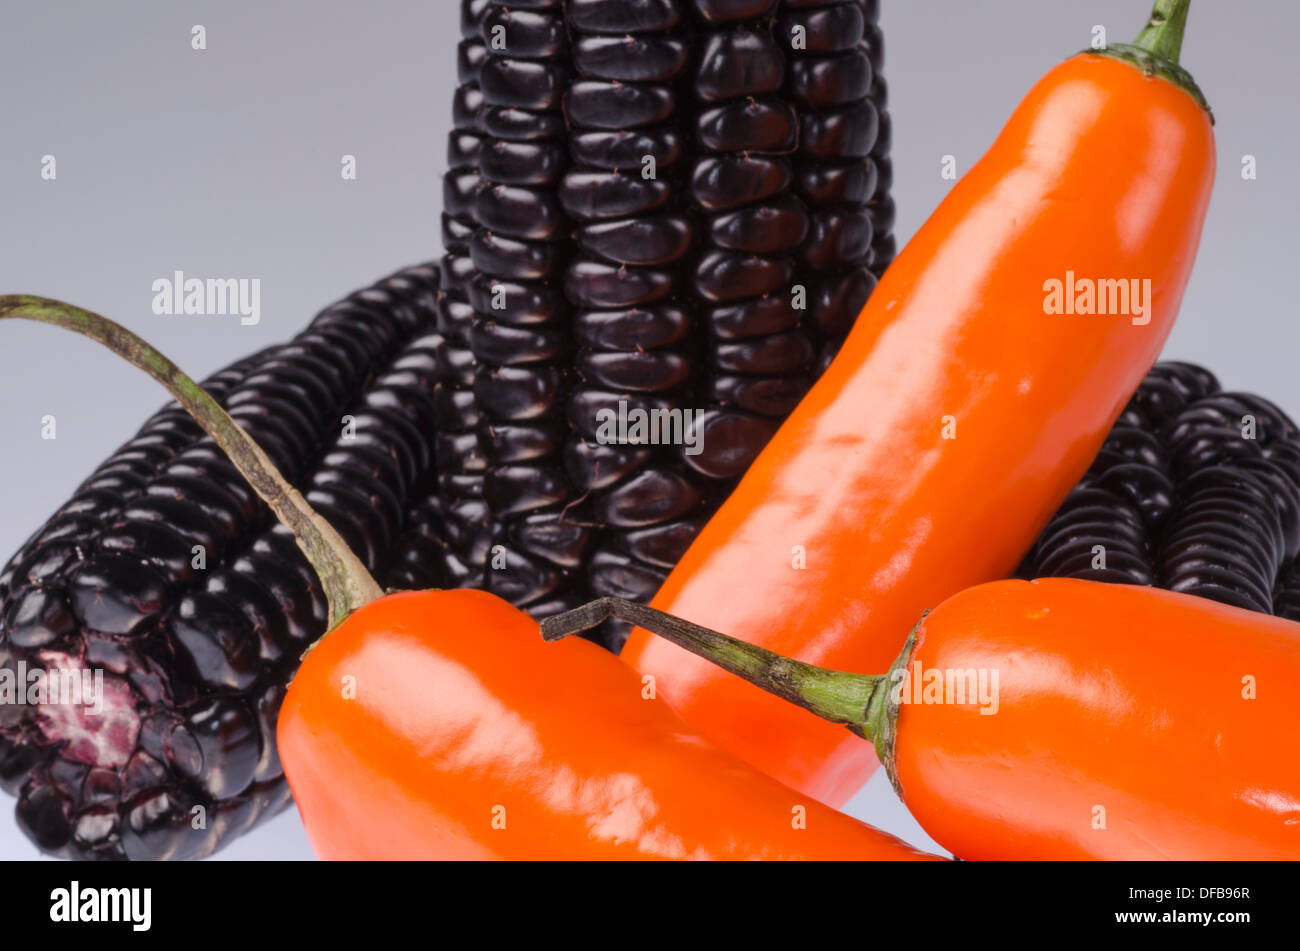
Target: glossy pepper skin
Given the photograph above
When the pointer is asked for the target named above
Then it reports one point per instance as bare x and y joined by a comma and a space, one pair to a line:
1061, 719
439, 725
1103, 171
462, 715
1119, 698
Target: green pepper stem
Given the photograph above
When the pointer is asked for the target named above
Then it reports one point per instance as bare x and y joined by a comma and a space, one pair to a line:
347, 583
862, 702
1163, 34
1158, 47
833, 695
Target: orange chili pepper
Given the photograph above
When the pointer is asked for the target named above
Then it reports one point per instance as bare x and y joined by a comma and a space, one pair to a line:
438, 725
469, 738
959, 414
1065, 719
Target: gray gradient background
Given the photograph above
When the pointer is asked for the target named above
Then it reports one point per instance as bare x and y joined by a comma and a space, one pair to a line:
225, 163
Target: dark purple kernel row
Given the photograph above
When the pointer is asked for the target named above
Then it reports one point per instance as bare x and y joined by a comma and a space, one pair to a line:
522, 336
835, 77
635, 324
453, 508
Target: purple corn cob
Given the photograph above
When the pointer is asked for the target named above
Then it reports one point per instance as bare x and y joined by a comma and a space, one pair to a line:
166, 575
